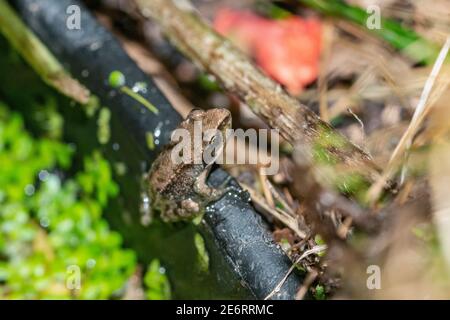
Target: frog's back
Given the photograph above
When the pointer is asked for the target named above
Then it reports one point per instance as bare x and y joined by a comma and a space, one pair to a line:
171, 180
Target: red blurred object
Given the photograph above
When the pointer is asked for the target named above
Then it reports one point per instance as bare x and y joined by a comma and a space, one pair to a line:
288, 50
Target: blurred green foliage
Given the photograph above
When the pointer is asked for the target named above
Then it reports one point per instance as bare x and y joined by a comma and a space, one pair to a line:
319, 293
202, 252
156, 282
103, 122
48, 225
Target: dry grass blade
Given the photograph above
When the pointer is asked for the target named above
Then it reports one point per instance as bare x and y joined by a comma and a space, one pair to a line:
420, 113
346, 101
276, 195
265, 187
439, 176
278, 214
422, 108
439, 173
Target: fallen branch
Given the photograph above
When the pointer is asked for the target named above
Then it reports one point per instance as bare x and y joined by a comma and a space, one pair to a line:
233, 69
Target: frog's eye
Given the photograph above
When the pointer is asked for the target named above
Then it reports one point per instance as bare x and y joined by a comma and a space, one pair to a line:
213, 139
210, 136
215, 143
195, 114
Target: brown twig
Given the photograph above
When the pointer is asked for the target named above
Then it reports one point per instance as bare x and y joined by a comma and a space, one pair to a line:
312, 275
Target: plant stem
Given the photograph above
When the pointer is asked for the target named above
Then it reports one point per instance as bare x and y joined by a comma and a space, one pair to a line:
139, 98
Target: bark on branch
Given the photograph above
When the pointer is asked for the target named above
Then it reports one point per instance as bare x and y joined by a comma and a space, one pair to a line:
216, 55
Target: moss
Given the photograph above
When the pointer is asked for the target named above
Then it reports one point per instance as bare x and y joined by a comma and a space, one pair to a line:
52, 230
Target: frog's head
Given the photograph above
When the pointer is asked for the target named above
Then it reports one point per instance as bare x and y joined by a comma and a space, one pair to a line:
217, 118
213, 122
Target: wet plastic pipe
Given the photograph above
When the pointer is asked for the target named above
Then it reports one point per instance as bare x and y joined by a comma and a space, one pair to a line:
244, 260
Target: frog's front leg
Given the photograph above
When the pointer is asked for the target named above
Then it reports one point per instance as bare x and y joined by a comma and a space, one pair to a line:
209, 193
169, 212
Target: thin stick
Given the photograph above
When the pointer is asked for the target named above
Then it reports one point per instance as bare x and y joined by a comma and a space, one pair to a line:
322, 79
307, 253
279, 198
361, 123
312, 275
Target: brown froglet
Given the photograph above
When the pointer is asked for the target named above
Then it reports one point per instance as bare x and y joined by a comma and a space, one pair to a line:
178, 190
